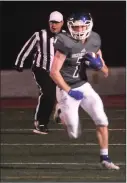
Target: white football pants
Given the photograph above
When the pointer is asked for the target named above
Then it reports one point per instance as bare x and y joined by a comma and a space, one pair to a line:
91, 103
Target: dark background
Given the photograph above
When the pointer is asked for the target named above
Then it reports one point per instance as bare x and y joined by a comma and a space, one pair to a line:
19, 20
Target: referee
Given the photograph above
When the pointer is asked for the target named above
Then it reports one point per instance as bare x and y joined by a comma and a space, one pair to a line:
41, 46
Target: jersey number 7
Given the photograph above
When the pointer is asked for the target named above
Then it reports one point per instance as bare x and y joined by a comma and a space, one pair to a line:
76, 72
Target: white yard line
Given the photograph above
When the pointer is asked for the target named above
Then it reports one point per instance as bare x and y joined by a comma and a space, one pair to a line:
52, 129
53, 144
56, 163
117, 118
86, 118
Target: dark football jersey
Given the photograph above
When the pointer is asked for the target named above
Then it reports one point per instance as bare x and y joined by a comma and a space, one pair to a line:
72, 70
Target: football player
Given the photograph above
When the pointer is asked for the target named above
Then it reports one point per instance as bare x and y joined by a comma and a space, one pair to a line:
73, 51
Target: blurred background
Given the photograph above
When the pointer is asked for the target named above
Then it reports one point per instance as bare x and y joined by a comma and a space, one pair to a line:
21, 19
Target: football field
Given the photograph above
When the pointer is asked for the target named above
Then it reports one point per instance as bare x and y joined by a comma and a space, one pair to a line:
27, 157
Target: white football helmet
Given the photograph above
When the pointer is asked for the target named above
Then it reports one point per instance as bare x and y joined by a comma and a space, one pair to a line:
80, 19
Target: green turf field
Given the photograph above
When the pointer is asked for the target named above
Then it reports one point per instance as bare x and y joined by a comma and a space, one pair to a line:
26, 157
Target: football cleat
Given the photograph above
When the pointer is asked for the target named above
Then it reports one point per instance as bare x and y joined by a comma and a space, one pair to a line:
109, 165
40, 129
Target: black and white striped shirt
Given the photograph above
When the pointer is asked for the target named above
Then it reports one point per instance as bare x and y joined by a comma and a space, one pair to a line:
42, 45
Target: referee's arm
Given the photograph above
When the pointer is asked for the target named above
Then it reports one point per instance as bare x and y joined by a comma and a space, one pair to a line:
25, 51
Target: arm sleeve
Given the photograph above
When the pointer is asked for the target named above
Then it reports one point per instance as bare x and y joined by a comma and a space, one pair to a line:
25, 51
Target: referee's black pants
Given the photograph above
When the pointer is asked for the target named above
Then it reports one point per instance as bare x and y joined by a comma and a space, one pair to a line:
47, 96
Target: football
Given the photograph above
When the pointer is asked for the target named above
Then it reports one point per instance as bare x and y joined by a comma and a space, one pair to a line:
87, 62
93, 61
93, 54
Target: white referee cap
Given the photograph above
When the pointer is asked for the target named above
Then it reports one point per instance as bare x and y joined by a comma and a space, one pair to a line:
56, 16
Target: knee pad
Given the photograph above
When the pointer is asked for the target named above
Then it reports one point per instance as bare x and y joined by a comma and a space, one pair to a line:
101, 120
73, 127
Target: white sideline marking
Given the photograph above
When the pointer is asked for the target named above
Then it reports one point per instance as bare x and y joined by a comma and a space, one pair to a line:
52, 129
56, 163
118, 118
87, 118
52, 144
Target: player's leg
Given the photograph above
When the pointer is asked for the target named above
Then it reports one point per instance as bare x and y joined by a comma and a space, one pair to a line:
46, 99
56, 115
69, 113
93, 105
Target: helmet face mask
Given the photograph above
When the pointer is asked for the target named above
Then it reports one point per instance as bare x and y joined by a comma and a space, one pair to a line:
80, 20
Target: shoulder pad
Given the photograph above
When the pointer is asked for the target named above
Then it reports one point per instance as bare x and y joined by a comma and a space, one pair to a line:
96, 36
96, 39
65, 39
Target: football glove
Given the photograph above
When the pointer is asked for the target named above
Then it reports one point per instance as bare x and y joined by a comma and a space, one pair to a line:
76, 94
93, 62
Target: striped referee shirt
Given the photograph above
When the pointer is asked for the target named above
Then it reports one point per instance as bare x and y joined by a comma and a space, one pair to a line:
41, 43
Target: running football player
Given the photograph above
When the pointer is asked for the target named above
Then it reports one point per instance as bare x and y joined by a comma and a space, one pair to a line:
74, 50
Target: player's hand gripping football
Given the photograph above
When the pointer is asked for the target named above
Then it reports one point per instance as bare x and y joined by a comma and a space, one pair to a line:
93, 61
